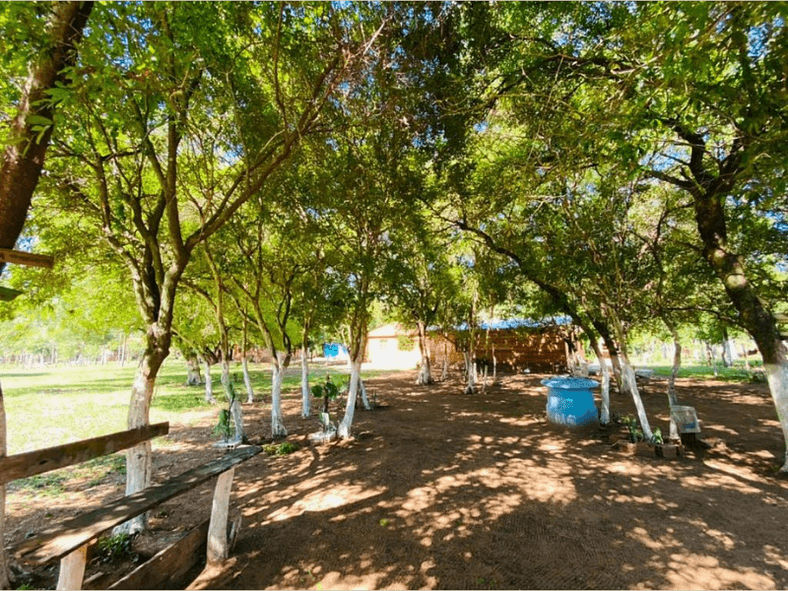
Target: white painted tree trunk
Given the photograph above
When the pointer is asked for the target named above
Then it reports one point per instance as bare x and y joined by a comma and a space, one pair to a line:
236, 411
4, 579
672, 398
425, 369
630, 384
470, 372
193, 377
123, 349
363, 389
615, 364
777, 377
248, 382
139, 459
344, 430
225, 379
495, 366
306, 398
277, 376
604, 415
208, 384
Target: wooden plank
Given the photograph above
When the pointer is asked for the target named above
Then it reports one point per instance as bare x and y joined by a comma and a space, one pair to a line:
52, 458
218, 543
80, 530
28, 259
170, 564
72, 569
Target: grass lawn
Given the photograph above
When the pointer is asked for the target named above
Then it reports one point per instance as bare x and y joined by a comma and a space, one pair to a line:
736, 373
52, 406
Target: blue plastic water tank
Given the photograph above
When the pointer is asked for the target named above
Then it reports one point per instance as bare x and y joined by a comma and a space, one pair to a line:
570, 401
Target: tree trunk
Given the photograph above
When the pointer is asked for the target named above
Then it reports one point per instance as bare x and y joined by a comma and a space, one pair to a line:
278, 365
245, 363
612, 351
193, 377
711, 357
363, 389
306, 398
729, 267
470, 371
630, 385
236, 412
727, 354
247, 381
604, 415
629, 382
495, 366
425, 370
445, 370
225, 377
674, 372
123, 349
139, 460
208, 382
746, 356
4, 580
350, 407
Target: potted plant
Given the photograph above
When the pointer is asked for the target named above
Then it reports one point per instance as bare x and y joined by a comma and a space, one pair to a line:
328, 390
670, 450
634, 435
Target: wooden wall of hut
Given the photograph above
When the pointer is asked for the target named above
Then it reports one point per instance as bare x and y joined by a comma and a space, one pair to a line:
539, 350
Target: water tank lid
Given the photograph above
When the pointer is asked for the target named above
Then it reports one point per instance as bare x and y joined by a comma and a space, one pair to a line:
568, 383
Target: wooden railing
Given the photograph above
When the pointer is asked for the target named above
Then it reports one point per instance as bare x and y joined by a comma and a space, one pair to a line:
69, 541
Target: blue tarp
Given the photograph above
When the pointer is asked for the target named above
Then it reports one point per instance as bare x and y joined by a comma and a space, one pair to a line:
331, 350
518, 323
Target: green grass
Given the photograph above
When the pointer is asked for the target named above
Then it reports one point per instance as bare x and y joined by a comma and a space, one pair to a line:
52, 406
737, 373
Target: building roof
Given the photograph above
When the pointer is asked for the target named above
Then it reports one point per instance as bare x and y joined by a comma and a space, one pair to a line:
517, 323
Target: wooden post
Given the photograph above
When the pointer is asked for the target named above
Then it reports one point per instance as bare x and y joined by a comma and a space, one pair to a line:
218, 546
72, 569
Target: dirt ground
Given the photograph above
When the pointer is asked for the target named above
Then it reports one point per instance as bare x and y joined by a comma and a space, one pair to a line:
443, 490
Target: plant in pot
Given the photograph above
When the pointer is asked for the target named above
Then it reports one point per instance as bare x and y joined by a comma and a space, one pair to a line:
328, 390
634, 435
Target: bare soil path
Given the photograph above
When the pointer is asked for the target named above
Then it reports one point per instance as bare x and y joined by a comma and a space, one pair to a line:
444, 490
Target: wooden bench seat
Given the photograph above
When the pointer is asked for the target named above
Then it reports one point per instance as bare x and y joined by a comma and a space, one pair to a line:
84, 528
69, 541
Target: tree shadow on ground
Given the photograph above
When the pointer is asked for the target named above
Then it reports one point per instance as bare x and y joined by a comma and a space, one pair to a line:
446, 490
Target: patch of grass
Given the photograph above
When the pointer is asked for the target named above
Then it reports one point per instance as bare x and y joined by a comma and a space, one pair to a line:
736, 373
50, 485
281, 449
99, 468
114, 548
384, 522
52, 406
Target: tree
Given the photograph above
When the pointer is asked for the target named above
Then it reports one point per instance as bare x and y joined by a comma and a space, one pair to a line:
29, 132
696, 101
181, 121
416, 281
265, 280
49, 54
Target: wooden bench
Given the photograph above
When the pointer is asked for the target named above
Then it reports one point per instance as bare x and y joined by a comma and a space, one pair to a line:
69, 541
